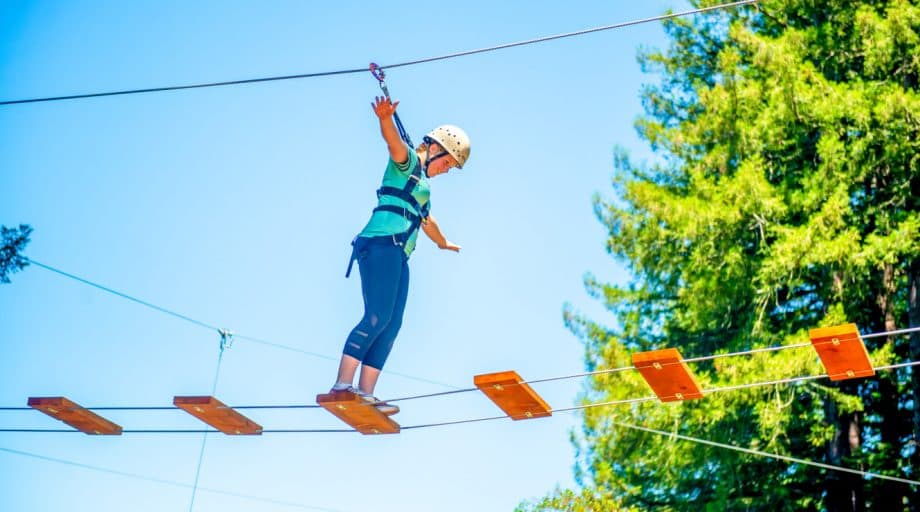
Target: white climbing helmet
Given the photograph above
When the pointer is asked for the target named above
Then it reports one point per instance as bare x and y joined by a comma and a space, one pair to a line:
454, 140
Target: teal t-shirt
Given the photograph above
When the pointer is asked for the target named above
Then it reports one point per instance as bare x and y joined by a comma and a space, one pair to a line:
389, 223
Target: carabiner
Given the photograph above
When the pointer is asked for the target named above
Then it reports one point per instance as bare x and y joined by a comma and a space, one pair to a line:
378, 73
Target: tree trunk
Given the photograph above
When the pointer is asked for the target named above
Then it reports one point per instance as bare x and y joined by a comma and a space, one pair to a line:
913, 309
844, 491
889, 495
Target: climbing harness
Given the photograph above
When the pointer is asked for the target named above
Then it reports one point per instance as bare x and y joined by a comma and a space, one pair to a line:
416, 213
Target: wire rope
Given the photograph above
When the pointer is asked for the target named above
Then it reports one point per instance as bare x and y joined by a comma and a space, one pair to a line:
391, 66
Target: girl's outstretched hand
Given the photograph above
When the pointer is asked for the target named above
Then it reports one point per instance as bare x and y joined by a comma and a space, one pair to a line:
383, 107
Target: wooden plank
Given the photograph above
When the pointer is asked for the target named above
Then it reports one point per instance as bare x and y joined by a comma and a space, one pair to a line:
213, 412
842, 352
510, 394
84, 420
667, 375
363, 417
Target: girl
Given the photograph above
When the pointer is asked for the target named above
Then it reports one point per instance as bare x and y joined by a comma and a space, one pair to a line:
383, 247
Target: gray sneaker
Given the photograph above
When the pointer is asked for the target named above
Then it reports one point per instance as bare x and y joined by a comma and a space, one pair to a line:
349, 389
385, 408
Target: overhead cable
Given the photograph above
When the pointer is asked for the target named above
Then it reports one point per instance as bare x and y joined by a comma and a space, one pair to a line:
364, 69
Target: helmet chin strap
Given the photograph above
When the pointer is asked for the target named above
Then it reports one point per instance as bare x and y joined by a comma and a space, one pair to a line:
429, 158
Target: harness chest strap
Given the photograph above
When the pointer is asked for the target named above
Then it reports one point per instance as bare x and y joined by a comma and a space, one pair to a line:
416, 214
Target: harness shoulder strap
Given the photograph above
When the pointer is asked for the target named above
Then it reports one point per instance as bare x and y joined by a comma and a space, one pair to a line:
405, 193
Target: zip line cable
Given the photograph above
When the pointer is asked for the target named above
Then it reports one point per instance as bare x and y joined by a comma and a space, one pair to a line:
577, 33
402, 64
789, 380
181, 87
209, 326
164, 481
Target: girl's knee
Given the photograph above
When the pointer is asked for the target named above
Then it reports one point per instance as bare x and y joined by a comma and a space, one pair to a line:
376, 322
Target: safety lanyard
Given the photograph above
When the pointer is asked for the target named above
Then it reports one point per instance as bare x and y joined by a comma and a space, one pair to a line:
378, 73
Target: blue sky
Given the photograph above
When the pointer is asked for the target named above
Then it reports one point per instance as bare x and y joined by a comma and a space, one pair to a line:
236, 205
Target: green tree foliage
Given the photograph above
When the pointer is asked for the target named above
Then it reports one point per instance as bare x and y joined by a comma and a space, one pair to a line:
12, 242
785, 196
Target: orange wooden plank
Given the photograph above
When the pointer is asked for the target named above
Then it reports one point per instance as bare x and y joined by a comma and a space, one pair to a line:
842, 352
519, 401
77, 417
667, 374
363, 417
213, 412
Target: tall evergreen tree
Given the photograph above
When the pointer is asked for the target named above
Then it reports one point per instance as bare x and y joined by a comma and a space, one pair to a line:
786, 196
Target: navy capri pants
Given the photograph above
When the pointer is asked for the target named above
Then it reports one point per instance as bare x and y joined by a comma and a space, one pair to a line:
384, 269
